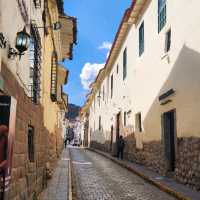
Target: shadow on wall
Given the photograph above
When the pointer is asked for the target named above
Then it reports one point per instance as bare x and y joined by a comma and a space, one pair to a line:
184, 78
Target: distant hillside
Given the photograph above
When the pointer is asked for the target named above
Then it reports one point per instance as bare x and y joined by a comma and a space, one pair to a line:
73, 111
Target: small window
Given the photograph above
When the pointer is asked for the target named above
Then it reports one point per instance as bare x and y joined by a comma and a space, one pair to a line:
99, 97
94, 103
31, 143
141, 39
37, 3
117, 69
124, 63
168, 41
103, 93
138, 122
125, 116
108, 87
111, 86
99, 123
161, 14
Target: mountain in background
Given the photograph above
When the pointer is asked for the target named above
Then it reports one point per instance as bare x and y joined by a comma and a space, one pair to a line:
73, 111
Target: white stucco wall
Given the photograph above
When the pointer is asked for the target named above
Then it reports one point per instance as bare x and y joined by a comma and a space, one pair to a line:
11, 23
154, 73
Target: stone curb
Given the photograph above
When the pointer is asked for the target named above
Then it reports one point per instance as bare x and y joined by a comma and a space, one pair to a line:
73, 181
70, 192
162, 187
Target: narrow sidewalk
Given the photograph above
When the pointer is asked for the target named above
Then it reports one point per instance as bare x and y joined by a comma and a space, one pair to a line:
168, 185
58, 186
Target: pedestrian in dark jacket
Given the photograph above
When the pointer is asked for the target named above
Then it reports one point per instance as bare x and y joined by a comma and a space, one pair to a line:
120, 147
65, 142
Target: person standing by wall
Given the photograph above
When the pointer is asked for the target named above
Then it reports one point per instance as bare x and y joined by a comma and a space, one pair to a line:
120, 147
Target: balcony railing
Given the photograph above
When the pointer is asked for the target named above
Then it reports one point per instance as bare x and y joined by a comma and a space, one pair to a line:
37, 3
54, 74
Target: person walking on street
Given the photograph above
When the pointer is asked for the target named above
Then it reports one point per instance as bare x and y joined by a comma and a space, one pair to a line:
65, 142
120, 147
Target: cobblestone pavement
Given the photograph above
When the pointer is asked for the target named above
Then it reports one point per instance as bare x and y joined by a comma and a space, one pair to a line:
98, 178
57, 188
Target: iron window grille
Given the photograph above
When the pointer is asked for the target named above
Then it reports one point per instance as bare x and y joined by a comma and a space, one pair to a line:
99, 97
35, 63
117, 69
54, 71
111, 86
37, 3
103, 93
23, 10
31, 143
162, 12
99, 123
168, 41
141, 39
125, 115
138, 122
124, 63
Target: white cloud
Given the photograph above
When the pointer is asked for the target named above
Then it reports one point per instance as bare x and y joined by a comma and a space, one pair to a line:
89, 73
105, 45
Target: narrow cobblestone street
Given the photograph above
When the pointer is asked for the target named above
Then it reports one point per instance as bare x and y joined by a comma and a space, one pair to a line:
97, 178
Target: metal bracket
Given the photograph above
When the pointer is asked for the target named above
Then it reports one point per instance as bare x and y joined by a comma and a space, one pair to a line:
12, 53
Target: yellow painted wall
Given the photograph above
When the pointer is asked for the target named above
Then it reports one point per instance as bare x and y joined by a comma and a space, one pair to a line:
51, 109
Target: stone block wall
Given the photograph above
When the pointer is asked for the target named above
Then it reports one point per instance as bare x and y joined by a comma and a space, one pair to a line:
152, 155
188, 162
27, 177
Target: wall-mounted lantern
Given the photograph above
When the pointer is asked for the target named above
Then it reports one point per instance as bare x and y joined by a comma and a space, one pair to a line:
22, 44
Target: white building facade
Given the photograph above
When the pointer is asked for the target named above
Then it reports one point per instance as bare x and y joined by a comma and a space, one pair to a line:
148, 90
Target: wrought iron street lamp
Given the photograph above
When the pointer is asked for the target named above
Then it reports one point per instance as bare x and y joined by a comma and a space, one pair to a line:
22, 44
22, 41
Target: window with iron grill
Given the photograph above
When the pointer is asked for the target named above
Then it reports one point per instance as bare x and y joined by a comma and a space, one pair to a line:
117, 69
125, 115
37, 3
138, 122
103, 93
99, 97
141, 39
99, 123
35, 63
31, 143
168, 41
124, 63
54, 71
162, 8
111, 85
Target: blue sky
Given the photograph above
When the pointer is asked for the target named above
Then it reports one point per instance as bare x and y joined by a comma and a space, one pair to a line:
98, 21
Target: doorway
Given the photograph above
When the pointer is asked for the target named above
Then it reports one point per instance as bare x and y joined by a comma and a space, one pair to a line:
118, 127
169, 138
111, 138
